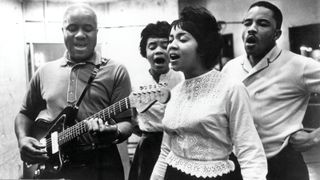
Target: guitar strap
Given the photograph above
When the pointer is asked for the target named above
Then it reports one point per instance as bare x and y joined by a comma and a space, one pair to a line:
103, 62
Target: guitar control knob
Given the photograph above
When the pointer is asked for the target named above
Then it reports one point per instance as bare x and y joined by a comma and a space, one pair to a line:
37, 172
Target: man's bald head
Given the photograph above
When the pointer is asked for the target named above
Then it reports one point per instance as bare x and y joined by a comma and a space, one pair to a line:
76, 9
80, 32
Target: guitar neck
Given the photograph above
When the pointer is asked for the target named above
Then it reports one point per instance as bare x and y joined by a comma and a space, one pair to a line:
105, 114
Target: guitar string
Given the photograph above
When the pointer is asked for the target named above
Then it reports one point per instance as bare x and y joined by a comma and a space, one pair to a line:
80, 128
101, 114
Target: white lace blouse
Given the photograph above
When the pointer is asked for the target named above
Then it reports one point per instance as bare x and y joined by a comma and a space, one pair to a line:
205, 117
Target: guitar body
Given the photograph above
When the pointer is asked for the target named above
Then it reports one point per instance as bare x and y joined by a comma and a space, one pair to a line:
56, 154
62, 133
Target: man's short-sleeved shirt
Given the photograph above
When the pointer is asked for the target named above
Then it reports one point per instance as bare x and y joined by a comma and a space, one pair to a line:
59, 83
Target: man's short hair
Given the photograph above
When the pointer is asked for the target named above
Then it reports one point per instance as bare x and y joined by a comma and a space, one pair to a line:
276, 11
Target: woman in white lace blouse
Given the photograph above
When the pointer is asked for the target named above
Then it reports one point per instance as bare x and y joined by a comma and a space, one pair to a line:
208, 113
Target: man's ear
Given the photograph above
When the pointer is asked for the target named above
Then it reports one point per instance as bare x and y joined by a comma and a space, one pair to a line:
277, 34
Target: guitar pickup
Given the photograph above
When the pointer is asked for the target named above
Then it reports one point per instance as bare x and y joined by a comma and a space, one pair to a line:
54, 142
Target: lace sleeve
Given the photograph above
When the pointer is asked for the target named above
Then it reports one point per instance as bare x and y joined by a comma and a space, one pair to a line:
248, 147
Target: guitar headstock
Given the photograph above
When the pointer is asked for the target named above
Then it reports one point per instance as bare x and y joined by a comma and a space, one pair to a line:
148, 95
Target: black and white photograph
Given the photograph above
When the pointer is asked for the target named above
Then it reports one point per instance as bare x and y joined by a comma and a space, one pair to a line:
160, 89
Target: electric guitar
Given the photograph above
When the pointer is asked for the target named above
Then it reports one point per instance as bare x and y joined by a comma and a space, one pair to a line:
65, 129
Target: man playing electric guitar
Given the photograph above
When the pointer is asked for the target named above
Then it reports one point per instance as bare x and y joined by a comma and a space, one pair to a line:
58, 84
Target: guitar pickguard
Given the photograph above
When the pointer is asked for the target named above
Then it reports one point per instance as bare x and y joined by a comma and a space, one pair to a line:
55, 152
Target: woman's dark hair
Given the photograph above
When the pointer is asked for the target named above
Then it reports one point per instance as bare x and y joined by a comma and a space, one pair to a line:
159, 30
202, 25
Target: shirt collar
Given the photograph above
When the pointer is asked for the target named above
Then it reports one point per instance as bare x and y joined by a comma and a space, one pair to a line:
270, 57
95, 60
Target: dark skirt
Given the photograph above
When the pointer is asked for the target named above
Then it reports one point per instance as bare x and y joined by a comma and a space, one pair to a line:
236, 175
146, 155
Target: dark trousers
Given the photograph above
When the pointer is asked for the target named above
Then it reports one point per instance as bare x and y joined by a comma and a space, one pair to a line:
287, 165
146, 155
175, 174
97, 164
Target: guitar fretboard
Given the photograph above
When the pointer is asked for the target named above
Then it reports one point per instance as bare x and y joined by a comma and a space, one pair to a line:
81, 128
